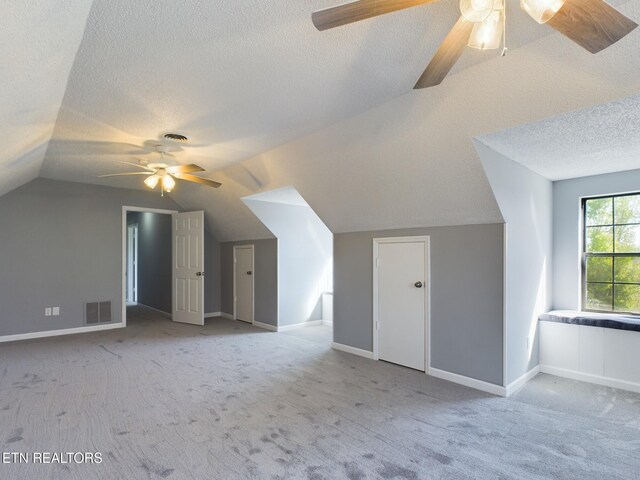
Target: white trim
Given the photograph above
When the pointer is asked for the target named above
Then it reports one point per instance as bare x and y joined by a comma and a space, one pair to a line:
212, 314
504, 305
328, 323
312, 323
56, 333
132, 263
585, 377
468, 382
352, 350
266, 326
227, 316
426, 239
161, 312
517, 384
125, 209
253, 280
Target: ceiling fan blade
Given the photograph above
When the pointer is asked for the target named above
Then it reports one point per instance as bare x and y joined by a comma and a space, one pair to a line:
185, 169
125, 174
202, 181
139, 166
447, 55
592, 24
355, 11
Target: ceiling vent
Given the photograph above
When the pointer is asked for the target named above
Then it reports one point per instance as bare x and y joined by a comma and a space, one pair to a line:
175, 137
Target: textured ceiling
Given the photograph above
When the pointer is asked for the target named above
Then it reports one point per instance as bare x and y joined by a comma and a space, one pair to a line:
269, 102
591, 141
39, 40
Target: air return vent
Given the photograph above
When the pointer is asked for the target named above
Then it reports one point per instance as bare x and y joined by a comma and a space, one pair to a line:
97, 312
176, 137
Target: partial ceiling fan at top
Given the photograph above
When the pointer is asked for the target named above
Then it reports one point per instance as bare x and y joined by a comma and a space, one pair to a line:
592, 24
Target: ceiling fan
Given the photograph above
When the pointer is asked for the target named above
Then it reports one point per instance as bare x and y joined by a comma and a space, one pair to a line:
592, 24
165, 175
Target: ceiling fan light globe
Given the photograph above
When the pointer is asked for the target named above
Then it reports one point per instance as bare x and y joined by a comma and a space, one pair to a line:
541, 10
152, 181
487, 35
168, 183
476, 10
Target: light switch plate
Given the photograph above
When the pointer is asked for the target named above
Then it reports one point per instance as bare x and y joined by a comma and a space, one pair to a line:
55, 311
47, 312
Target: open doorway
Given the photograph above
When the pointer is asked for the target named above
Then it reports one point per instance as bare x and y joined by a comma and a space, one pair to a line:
147, 264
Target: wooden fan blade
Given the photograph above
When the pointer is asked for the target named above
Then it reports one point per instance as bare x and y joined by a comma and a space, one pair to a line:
447, 55
202, 181
359, 10
144, 167
592, 24
125, 174
185, 169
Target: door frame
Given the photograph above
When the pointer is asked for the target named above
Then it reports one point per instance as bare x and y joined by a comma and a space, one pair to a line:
132, 270
426, 239
253, 279
126, 209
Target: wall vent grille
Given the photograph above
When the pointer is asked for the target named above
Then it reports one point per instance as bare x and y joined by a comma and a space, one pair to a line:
96, 313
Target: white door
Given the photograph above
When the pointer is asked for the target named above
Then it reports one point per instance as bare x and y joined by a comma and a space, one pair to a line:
243, 282
400, 282
188, 267
132, 264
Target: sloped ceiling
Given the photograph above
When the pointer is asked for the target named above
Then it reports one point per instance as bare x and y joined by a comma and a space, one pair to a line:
269, 102
39, 40
591, 141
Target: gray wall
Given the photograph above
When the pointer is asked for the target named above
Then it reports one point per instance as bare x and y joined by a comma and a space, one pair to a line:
566, 227
265, 278
212, 280
525, 200
61, 245
466, 295
154, 259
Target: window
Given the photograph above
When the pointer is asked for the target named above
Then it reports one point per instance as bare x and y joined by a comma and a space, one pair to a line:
611, 254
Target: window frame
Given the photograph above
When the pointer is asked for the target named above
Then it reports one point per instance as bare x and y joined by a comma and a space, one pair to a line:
613, 255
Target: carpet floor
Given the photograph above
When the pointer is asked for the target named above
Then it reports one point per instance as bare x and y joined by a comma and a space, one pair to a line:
231, 401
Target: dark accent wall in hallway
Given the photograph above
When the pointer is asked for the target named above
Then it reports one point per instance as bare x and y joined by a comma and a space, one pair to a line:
154, 259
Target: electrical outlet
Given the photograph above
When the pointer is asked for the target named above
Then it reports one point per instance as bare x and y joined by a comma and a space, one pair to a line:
55, 311
47, 312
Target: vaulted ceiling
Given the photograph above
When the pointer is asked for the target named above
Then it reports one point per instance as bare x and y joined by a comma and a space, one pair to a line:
268, 101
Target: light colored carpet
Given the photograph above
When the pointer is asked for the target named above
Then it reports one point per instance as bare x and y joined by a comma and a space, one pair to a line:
227, 401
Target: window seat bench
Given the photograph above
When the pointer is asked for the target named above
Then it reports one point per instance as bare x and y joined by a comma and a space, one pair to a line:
593, 319
591, 347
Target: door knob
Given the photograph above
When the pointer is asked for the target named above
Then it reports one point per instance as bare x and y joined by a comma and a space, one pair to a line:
200, 274
418, 284
249, 272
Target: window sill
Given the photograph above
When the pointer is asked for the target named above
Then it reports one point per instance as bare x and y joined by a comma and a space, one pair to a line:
593, 319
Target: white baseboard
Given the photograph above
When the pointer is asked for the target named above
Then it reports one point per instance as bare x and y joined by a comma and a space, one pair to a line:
266, 326
328, 323
468, 382
353, 350
213, 314
312, 323
517, 384
56, 333
161, 312
226, 315
585, 377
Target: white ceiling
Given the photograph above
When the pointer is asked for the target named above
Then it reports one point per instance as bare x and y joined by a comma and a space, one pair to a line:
39, 40
591, 141
269, 102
